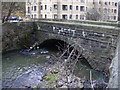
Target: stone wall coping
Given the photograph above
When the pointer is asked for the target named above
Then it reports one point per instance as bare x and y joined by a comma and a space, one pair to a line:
73, 23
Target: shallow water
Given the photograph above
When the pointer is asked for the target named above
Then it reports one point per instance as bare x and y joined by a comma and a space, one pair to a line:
21, 70
83, 70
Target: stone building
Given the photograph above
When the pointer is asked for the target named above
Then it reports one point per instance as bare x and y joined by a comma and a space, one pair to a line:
71, 9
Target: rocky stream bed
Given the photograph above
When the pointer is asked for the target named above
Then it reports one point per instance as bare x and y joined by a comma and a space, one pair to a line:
43, 71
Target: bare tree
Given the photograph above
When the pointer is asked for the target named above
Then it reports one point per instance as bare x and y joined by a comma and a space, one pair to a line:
98, 12
9, 8
93, 14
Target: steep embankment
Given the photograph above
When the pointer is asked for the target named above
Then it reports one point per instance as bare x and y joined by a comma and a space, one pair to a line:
17, 35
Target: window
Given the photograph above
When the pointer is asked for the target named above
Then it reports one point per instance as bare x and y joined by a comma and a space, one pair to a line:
45, 7
64, 16
70, 7
76, 7
105, 10
82, 8
113, 3
82, 17
34, 15
76, 16
64, 7
55, 16
86, 8
50, 8
112, 10
114, 17
100, 2
108, 10
41, 16
32, 7
28, 16
70, 16
116, 4
115, 11
41, 7
28, 9
45, 16
82, 1
55, 6
35, 8
105, 3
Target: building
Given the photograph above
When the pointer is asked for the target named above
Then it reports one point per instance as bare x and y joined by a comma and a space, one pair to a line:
71, 9
119, 11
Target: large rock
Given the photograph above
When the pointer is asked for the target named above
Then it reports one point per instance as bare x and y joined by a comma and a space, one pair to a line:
80, 85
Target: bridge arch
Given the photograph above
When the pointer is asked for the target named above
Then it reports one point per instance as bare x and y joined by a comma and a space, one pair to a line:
55, 44
58, 44
97, 44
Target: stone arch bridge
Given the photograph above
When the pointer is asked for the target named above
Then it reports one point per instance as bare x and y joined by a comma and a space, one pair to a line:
98, 42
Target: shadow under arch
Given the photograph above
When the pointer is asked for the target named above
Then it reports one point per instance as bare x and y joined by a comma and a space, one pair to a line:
54, 44
60, 45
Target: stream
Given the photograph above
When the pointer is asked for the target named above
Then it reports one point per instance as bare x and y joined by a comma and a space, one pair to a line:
22, 70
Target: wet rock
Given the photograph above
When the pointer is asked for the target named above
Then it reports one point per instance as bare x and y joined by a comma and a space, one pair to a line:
64, 79
80, 85
60, 83
27, 85
102, 85
64, 87
87, 85
47, 57
21, 70
70, 79
39, 78
99, 84
72, 85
